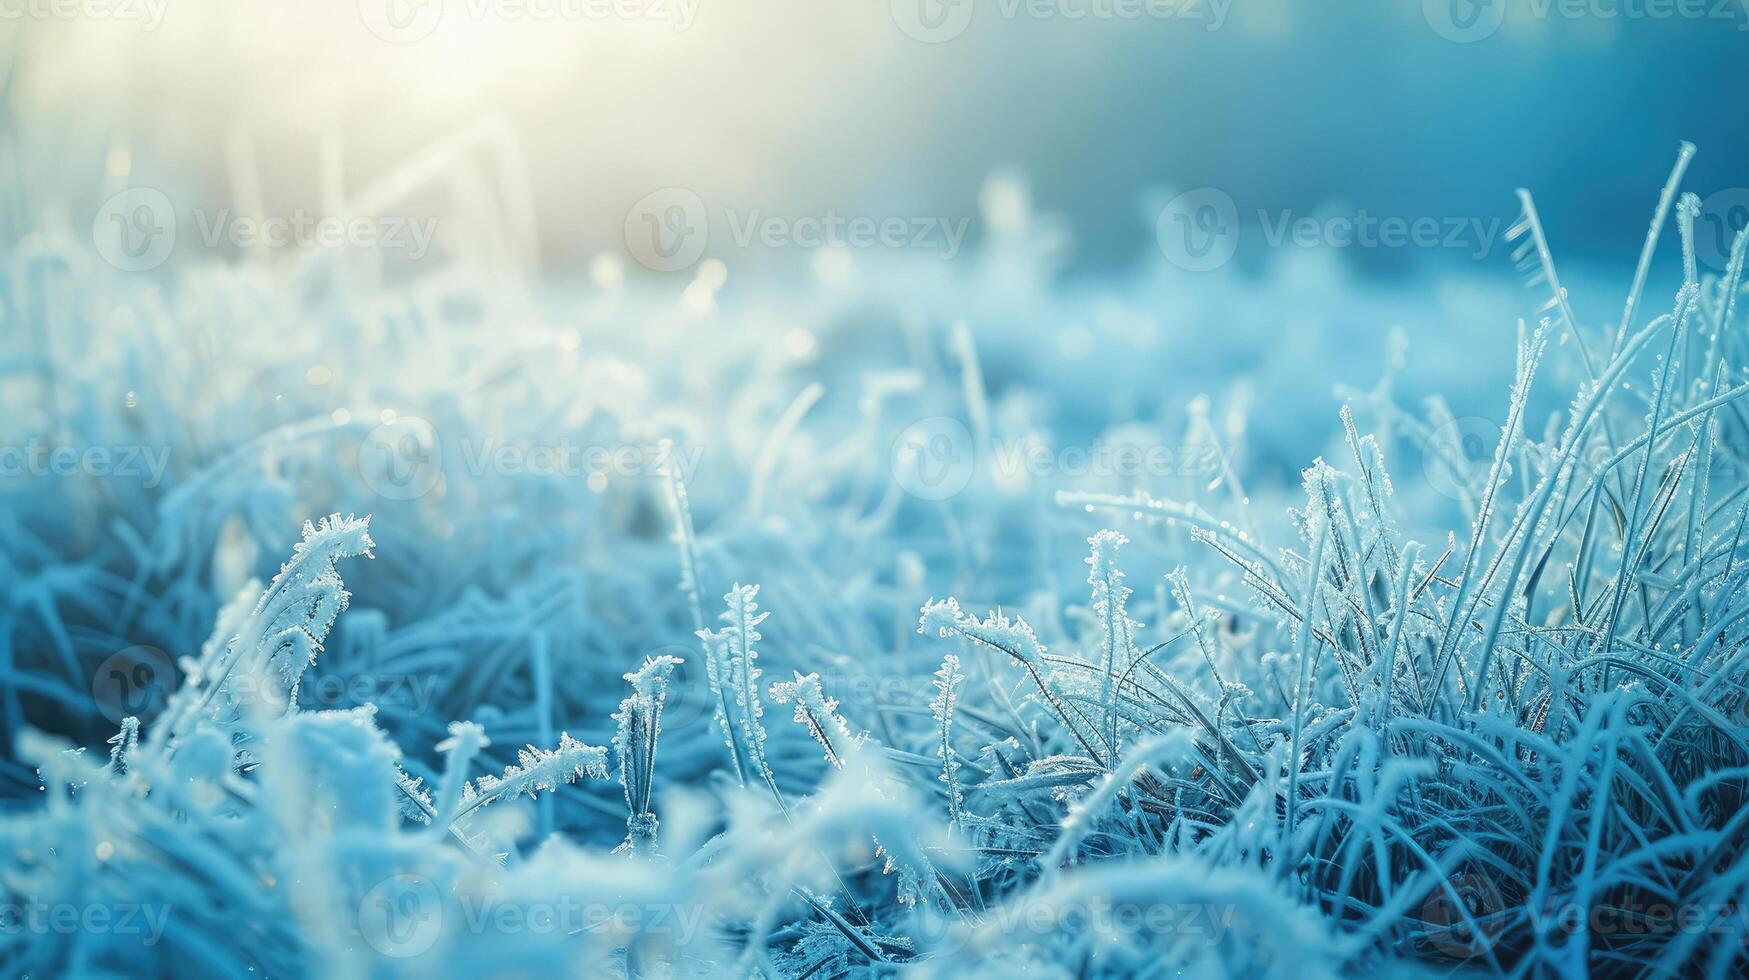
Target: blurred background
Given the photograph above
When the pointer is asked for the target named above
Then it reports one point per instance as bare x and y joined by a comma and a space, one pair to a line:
1106, 108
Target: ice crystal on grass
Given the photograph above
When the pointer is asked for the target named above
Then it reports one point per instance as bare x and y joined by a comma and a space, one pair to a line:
634, 742
818, 713
254, 662
733, 649
1491, 720
947, 682
537, 771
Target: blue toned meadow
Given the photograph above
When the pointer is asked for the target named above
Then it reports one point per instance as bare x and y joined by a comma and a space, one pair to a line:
477, 500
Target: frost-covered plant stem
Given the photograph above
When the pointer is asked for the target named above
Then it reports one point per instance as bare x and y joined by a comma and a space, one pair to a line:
1303, 692
947, 682
735, 649
1115, 628
640, 728
818, 714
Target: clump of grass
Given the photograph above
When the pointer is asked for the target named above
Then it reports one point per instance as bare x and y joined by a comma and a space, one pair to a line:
1515, 742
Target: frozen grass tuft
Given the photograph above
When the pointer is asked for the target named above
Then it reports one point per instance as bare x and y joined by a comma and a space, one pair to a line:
1382, 734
